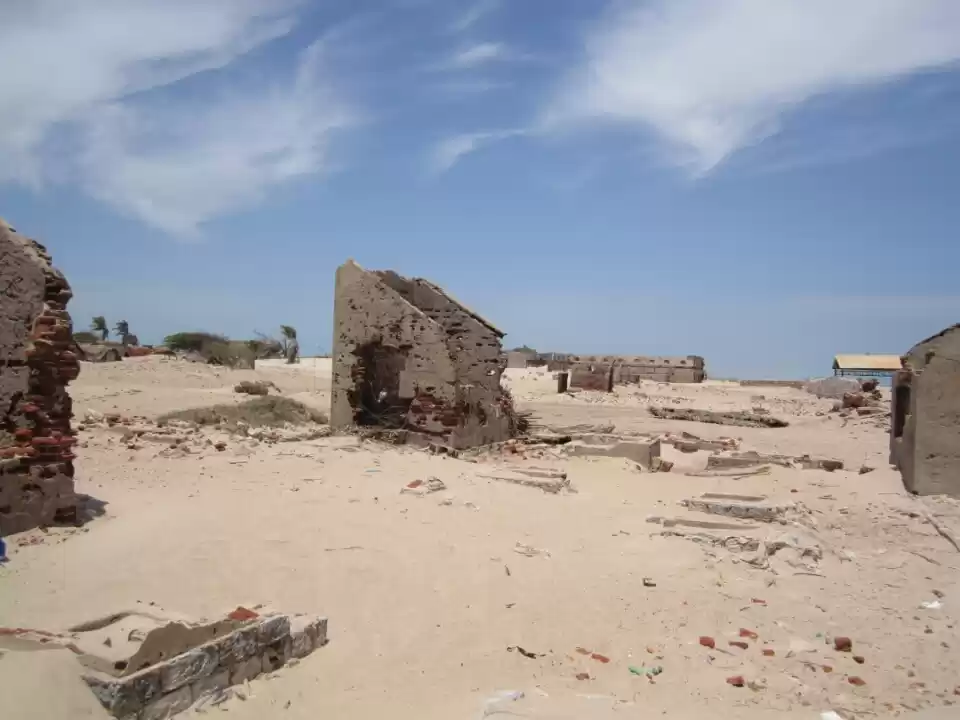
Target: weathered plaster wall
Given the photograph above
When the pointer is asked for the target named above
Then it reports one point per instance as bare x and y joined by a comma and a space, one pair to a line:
928, 450
36, 363
451, 358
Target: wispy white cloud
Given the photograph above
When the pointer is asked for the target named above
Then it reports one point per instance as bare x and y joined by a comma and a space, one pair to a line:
477, 55
474, 14
79, 106
451, 150
711, 77
175, 169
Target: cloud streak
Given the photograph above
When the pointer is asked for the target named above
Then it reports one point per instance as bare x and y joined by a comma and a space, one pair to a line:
710, 77
83, 105
474, 14
449, 151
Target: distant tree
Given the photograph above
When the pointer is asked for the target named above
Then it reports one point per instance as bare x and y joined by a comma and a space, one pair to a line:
86, 337
291, 347
195, 341
99, 326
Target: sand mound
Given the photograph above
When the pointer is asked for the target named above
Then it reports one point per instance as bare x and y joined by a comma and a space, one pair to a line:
27, 680
259, 412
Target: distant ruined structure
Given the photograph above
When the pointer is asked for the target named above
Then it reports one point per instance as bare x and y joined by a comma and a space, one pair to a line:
407, 356
602, 372
925, 416
36, 363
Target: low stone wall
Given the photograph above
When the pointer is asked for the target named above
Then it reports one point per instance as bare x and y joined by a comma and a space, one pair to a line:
160, 691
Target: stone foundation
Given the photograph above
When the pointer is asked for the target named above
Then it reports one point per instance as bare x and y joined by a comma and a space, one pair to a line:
37, 360
202, 673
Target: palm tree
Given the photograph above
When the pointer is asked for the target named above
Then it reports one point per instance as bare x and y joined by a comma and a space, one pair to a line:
291, 348
99, 325
122, 331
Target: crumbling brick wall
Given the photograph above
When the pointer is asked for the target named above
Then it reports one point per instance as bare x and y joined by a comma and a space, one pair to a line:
36, 363
435, 365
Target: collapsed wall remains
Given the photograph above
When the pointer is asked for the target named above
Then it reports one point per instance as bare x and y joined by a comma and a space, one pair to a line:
36, 363
407, 356
925, 416
588, 371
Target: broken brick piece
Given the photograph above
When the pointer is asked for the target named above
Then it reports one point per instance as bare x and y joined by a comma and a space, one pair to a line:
744, 633
736, 681
843, 644
242, 614
739, 643
708, 641
769, 652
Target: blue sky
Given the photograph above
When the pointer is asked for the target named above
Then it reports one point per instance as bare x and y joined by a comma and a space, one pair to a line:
763, 182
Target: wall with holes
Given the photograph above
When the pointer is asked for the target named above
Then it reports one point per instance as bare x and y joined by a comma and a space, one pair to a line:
36, 363
451, 373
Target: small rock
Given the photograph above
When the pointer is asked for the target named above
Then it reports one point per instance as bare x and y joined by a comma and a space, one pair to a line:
864, 469
736, 681
843, 644
854, 680
220, 446
744, 633
859, 659
707, 641
769, 652
739, 643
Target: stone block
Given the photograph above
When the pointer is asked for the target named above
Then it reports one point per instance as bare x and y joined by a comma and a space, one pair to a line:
240, 645
211, 685
271, 629
641, 452
126, 696
246, 670
166, 706
306, 634
189, 667
278, 654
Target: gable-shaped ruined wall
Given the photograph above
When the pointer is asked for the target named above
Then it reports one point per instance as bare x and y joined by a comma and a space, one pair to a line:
36, 363
445, 360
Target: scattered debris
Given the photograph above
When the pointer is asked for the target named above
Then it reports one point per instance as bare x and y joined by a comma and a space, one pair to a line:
420, 487
526, 653
529, 550
739, 418
842, 644
252, 387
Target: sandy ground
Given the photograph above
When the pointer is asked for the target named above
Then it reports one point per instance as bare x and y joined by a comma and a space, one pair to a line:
426, 595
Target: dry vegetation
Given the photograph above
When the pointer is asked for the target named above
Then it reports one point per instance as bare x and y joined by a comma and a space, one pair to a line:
259, 412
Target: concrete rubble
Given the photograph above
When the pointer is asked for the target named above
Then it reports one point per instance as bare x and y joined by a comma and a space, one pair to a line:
739, 418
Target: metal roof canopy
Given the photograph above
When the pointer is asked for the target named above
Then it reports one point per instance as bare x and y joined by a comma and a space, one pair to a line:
866, 365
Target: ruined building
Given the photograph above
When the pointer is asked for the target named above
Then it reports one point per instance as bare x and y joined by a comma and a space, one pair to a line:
36, 363
602, 372
407, 356
925, 432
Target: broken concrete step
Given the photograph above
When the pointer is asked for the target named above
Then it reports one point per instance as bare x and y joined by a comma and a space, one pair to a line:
706, 523
727, 540
729, 496
737, 509
641, 451
747, 459
753, 459
547, 484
